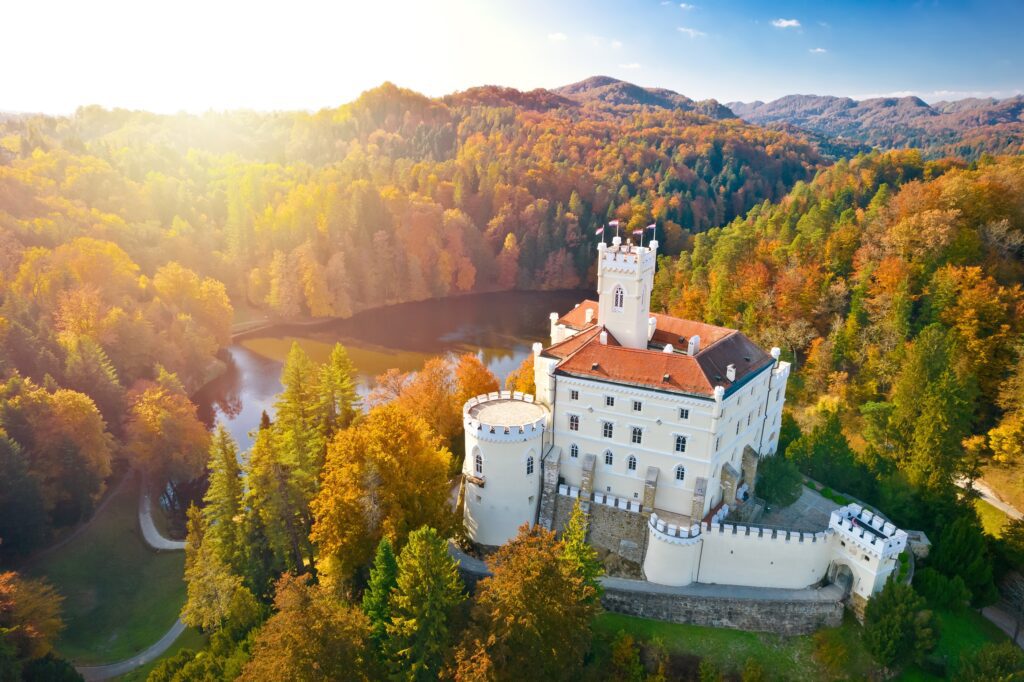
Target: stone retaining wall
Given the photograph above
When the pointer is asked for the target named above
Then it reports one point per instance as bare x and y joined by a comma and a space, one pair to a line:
796, 617
613, 529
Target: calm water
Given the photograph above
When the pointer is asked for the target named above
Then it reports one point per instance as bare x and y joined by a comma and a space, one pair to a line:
499, 327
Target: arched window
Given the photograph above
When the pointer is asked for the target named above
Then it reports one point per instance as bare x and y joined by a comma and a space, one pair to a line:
529, 465
609, 458
619, 298
574, 450
631, 463
680, 472
478, 464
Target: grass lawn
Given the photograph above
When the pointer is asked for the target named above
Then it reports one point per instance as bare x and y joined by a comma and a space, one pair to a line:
120, 596
958, 633
782, 658
190, 639
992, 519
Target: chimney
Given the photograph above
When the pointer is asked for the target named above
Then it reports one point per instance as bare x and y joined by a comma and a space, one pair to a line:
652, 324
668, 348
604, 338
694, 346
730, 372
590, 315
776, 354
537, 348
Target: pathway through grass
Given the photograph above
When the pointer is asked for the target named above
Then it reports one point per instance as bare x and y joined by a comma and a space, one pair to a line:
120, 596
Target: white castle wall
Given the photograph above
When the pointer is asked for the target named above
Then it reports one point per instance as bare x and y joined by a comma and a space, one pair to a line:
736, 554
504, 496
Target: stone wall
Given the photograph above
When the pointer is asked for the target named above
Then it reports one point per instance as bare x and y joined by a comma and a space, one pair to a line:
612, 529
781, 616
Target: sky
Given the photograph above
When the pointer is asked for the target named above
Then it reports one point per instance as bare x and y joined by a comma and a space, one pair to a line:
188, 55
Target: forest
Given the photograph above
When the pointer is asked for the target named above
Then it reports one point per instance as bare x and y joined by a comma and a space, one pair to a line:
130, 243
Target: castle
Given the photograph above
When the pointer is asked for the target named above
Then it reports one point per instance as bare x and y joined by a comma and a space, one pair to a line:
656, 426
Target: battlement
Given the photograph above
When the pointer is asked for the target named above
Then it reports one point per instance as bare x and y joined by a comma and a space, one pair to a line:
607, 499
673, 533
867, 531
627, 257
504, 416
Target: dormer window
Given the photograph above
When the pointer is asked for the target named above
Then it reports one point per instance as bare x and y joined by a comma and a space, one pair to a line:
618, 299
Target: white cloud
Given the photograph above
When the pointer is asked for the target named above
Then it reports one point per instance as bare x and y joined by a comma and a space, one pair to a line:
616, 44
631, 65
687, 6
817, 50
558, 37
692, 32
666, 3
785, 23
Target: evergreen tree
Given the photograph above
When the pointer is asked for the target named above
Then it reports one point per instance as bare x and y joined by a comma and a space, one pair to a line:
896, 626
298, 440
1003, 662
579, 554
339, 402
22, 515
377, 597
428, 589
962, 550
778, 480
223, 501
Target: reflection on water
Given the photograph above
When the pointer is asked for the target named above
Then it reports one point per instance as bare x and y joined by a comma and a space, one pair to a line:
500, 328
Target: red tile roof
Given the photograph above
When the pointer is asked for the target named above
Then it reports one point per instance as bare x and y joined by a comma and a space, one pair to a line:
584, 355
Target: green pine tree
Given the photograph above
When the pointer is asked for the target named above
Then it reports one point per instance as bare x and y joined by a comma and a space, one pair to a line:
896, 626
223, 501
339, 401
426, 594
377, 598
579, 553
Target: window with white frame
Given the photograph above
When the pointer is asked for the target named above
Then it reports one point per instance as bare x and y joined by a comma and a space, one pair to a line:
574, 395
574, 450
609, 458
574, 422
478, 464
607, 429
637, 435
631, 463
618, 298
684, 413
680, 473
637, 406
680, 443
609, 401
529, 465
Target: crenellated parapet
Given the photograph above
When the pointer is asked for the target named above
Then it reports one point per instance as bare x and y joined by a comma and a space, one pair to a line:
496, 418
868, 531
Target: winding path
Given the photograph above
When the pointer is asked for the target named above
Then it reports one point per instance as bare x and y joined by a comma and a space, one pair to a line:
154, 539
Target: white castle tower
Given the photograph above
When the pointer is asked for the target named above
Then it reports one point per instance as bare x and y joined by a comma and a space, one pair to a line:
625, 278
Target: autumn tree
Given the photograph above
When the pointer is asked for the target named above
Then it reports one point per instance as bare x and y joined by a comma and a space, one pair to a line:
163, 434
533, 613
522, 378
427, 592
472, 378
384, 477
30, 617
311, 637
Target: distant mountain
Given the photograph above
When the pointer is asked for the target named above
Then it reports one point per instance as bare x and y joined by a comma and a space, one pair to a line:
966, 127
607, 90
497, 96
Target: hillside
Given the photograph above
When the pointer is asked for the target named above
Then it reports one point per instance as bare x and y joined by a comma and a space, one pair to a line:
607, 90
967, 127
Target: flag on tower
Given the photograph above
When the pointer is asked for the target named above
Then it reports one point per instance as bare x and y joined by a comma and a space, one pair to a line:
639, 231
652, 226
600, 230
613, 223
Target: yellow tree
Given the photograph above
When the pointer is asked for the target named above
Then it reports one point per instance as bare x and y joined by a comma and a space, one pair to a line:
29, 614
384, 477
472, 378
163, 434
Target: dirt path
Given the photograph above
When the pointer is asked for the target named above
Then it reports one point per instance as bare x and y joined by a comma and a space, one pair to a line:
106, 672
990, 496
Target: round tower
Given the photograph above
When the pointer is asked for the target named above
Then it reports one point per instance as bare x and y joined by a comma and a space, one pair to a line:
502, 470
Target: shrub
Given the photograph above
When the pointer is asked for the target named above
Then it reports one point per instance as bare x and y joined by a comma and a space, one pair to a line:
896, 625
1004, 661
831, 650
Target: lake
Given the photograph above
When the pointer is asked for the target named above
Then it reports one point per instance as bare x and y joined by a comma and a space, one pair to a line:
499, 327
